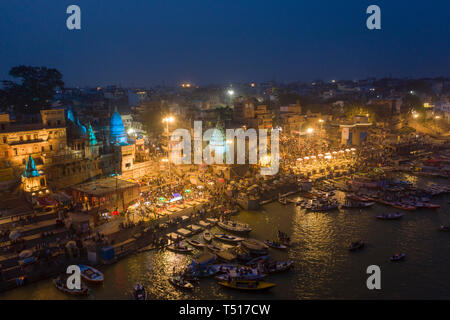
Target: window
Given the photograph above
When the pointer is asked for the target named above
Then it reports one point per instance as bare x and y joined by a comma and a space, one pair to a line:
42, 149
35, 136
21, 138
51, 148
6, 154
5, 139
28, 137
23, 161
15, 151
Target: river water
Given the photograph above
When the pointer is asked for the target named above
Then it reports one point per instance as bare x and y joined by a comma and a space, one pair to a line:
323, 267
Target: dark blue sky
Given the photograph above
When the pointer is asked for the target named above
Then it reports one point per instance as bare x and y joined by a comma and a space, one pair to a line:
146, 42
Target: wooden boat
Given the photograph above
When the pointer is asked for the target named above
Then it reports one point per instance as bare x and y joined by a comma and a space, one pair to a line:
233, 274
60, 284
207, 235
358, 205
275, 245
91, 274
398, 257
278, 266
390, 216
214, 248
403, 206
195, 243
431, 205
226, 255
257, 260
227, 238
213, 221
247, 285
179, 282
356, 245
139, 292
234, 226
255, 246
179, 248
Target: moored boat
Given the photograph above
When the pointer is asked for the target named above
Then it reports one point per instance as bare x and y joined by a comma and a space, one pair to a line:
227, 238
234, 226
207, 236
91, 274
247, 285
180, 248
390, 216
276, 245
195, 243
61, 285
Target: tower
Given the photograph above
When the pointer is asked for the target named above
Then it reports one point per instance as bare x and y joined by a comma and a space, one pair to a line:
117, 133
33, 182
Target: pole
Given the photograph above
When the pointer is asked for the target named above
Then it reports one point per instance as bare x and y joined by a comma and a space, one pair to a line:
168, 146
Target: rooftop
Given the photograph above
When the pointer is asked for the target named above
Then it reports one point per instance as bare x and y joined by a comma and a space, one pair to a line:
104, 186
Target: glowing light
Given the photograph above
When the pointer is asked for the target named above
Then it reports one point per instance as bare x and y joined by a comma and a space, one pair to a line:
309, 130
169, 119
230, 92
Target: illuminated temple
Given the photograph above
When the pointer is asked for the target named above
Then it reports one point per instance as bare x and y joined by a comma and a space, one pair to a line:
61, 151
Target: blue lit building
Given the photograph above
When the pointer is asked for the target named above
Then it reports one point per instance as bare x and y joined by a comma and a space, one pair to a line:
117, 132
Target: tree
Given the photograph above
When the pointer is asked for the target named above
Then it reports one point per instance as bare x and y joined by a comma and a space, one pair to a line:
35, 89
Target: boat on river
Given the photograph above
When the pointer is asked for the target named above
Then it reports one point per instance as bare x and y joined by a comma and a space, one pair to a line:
398, 257
227, 238
139, 292
255, 246
276, 245
179, 282
207, 236
178, 248
234, 226
390, 216
91, 274
356, 245
195, 243
247, 285
61, 285
278, 266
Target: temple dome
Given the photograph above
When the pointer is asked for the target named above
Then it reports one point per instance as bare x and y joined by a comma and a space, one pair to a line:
116, 129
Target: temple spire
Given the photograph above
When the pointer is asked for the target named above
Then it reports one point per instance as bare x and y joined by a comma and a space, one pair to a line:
92, 139
30, 170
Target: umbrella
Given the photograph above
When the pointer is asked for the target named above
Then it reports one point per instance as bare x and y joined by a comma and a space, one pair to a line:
71, 244
25, 254
14, 235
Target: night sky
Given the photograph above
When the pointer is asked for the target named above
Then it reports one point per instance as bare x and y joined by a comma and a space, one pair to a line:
212, 41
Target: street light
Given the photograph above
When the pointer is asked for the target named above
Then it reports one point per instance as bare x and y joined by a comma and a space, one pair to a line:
309, 130
167, 120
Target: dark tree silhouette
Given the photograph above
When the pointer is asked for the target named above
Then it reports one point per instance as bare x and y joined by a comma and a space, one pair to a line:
34, 89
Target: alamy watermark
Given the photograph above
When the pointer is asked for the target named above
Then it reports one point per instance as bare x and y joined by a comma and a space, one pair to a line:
181, 152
